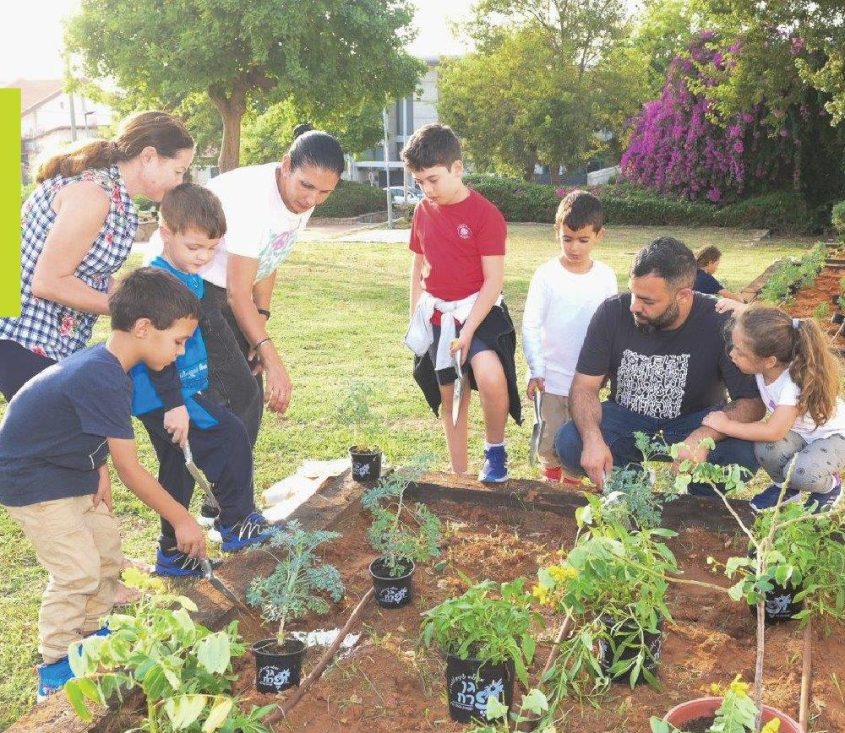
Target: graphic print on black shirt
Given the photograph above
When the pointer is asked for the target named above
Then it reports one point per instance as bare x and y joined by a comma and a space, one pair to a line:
652, 385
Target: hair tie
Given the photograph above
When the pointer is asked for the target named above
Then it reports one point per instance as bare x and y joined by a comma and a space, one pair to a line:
796, 323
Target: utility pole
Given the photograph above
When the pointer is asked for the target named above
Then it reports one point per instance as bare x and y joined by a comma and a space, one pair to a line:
387, 168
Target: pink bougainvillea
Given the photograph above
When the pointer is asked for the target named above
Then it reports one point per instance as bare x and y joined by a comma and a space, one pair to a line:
677, 147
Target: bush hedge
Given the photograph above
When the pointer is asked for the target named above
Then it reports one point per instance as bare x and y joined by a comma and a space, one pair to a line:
783, 212
353, 199
837, 218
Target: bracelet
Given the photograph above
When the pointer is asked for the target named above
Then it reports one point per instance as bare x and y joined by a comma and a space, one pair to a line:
264, 312
263, 341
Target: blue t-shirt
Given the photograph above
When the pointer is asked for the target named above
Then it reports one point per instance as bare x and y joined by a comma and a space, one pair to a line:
706, 283
53, 435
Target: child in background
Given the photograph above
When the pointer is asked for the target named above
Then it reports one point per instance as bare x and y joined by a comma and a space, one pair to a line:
563, 295
799, 381
171, 403
708, 260
55, 439
458, 240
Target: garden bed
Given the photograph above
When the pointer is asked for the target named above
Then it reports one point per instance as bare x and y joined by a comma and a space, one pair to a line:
824, 291
389, 684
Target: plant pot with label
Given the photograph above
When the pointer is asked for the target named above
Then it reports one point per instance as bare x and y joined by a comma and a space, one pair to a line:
486, 637
300, 583
393, 585
366, 463
278, 666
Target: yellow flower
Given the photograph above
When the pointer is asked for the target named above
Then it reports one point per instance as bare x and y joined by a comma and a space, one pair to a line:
541, 594
562, 573
739, 687
773, 726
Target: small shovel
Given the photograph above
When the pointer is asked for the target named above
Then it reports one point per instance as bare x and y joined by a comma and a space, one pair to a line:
539, 426
199, 477
208, 574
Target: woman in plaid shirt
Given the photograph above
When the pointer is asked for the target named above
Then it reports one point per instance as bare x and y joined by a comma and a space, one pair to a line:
77, 229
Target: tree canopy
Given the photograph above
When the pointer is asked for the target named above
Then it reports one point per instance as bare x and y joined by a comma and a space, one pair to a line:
325, 55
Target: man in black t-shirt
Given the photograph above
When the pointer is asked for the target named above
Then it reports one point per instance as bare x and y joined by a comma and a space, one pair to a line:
663, 348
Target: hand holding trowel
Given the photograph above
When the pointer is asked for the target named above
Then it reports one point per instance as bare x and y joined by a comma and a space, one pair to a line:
539, 427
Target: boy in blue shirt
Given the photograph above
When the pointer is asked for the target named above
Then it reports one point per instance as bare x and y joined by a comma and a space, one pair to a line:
55, 438
171, 403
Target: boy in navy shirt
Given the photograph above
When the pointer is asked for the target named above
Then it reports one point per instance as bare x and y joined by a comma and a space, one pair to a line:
171, 403
55, 439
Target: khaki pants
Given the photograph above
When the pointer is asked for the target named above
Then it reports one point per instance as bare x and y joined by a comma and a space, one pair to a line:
555, 411
79, 546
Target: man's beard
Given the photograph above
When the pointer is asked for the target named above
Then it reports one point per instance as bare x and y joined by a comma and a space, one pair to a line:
660, 322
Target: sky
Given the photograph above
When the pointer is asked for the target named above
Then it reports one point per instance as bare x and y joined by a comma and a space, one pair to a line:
30, 45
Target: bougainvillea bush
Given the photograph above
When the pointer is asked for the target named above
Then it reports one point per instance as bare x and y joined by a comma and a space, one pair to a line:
680, 144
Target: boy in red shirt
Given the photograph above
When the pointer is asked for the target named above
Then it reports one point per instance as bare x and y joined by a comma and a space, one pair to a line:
458, 240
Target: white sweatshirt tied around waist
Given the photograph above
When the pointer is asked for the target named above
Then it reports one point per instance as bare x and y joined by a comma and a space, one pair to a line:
421, 332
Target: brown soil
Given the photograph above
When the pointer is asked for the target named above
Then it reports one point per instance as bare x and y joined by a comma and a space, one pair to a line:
387, 684
823, 290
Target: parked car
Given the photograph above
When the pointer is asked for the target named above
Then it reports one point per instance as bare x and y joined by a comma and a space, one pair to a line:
401, 197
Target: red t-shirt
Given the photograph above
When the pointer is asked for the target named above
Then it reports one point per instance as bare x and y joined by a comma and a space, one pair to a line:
453, 239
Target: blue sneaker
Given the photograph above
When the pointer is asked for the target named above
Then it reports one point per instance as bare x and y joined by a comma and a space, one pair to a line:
823, 502
251, 530
174, 564
52, 677
495, 468
768, 498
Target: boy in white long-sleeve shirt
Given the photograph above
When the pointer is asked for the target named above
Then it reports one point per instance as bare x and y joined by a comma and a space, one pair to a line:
563, 295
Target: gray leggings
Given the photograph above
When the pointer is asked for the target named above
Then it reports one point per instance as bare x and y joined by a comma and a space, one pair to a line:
815, 464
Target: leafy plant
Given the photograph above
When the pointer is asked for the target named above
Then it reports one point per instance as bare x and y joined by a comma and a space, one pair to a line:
787, 545
300, 579
613, 583
736, 714
792, 275
629, 490
821, 311
401, 531
491, 622
183, 669
356, 415
534, 703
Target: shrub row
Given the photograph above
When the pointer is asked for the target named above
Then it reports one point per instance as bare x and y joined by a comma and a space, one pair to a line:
353, 199
783, 211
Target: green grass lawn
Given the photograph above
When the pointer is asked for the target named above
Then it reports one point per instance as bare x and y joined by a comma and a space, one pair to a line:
340, 313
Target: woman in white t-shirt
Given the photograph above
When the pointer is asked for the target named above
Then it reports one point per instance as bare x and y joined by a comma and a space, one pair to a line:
799, 381
266, 208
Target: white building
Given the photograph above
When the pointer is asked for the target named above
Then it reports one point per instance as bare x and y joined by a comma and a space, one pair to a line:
404, 118
52, 117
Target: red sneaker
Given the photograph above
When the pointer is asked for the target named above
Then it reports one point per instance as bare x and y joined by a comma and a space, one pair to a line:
552, 474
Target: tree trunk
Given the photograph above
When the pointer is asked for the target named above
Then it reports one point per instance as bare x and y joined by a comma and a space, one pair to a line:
232, 109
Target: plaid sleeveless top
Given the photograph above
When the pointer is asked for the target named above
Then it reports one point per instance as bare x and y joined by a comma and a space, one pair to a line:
48, 328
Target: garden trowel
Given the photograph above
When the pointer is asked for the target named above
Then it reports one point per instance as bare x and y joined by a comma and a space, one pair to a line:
458, 387
198, 476
539, 426
208, 574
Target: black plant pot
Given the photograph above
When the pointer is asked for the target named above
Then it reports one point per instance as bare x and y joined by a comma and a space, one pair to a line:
471, 682
780, 604
392, 591
623, 645
278, 667
366, 464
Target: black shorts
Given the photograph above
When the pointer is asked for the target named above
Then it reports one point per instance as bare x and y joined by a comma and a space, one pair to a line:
448, 375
